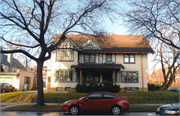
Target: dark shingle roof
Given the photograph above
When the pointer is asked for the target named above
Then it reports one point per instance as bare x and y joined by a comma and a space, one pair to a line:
121, 50
16, 63
107, 66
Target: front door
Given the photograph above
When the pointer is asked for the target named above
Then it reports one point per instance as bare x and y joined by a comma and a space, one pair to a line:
92, 102
108, 76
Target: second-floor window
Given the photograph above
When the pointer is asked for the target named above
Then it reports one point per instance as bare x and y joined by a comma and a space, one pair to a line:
108, 57
89, 58
65, 55
129, 58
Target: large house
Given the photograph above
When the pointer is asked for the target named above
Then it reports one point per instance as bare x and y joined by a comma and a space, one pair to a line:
118, 59
14, 72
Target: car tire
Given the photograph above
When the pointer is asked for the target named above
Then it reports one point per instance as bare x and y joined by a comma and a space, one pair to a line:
74, 110
116, 110
13, 90
3, 91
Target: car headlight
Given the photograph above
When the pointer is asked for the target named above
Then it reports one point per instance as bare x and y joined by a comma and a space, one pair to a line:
171, 112
158, 108
66, 102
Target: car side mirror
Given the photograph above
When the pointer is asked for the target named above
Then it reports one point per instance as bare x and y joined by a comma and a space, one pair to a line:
86, 99
10, 85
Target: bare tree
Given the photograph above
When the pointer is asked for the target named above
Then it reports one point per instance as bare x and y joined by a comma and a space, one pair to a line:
152, 17
169, 59
34, 23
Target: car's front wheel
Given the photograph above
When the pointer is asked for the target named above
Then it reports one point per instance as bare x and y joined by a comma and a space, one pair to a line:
74, 110
116, 110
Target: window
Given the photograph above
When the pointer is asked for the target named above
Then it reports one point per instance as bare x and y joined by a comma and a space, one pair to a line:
89, 58
94, 96
129, 77
86, 58
27, 80
64, 75
108, 57
65, 55
129, 58
108, 96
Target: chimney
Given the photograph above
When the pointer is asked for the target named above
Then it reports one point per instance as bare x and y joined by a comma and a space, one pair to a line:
25, 63
10, 60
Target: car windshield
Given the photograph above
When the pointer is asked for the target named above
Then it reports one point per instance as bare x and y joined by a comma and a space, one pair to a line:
0, 84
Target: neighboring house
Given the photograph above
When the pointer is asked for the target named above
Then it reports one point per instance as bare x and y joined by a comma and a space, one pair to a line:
15, 73
44, 76
118, 59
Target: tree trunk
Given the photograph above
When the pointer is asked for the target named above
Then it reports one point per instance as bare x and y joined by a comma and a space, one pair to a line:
40, 101
170, 83
163, 85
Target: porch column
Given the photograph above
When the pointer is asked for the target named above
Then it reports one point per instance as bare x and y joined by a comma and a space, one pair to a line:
80, 76
114, 76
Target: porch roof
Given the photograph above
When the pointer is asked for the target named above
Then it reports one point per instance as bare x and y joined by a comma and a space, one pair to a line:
99, 66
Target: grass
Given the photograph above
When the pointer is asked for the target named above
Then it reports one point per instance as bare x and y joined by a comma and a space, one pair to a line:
13, 96
133, 97
3, 105
58, 107
152, 97
35, 107
143, 107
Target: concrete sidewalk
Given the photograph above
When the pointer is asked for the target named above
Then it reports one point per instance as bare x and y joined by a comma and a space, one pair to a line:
8, 105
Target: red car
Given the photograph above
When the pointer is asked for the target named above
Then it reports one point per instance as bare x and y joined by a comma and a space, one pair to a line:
97, 101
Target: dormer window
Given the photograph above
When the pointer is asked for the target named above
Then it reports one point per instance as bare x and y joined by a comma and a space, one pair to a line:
108, 57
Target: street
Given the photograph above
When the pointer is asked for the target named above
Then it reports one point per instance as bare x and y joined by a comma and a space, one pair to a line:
20, 113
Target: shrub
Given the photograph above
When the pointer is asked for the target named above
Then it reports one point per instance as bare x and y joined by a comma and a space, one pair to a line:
78, 87
151, 87
116, 88
93, 87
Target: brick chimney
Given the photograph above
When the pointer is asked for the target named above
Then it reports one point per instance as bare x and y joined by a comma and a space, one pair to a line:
10, 60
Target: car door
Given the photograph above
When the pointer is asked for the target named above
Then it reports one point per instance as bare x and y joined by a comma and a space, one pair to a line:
92, 102
9, 87
108, 101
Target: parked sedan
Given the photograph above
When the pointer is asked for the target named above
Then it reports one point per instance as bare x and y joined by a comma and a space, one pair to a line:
174, 89
5, 87
168, 109
97, 101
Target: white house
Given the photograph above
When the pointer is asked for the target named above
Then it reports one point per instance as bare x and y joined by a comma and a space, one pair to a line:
119, 59
15, 73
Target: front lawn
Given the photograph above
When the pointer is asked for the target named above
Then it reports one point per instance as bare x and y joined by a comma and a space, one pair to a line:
133, 97
13, 96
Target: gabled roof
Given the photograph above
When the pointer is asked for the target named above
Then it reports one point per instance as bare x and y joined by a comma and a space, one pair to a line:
16, 63
118, 43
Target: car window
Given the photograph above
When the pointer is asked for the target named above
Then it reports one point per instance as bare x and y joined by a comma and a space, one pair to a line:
108, 96
8, 84
94, 96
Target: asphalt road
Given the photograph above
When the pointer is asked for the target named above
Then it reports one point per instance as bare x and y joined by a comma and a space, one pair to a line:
20, 113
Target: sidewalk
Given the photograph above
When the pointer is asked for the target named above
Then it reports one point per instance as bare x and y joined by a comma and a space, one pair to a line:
8, 105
